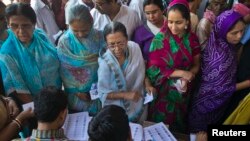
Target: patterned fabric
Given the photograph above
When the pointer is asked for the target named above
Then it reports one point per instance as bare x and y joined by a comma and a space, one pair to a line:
29, 69
218, 75
167, 53
79, 66
112, 78
47, 135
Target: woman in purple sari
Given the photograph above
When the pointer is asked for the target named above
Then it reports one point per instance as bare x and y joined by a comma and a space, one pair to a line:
218, 72
145, 33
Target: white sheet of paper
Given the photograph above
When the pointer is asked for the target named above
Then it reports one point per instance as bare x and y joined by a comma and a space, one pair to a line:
76, 126
178, 84
136, 131
148, 98
93, 92
28, 105
192, 137
158, 132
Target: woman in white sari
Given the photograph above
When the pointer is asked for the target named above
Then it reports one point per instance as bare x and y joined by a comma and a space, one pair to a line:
121, 73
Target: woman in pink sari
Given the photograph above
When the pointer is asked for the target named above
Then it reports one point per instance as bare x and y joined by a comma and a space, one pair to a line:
173, 63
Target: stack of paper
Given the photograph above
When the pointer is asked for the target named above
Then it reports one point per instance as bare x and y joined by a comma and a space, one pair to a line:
76, 126
156, 132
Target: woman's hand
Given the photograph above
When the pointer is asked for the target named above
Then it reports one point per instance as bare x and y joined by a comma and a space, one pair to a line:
184, 85
187, 75
201, 136
12, 107
134, 96
83, 96
151, 89
24, 115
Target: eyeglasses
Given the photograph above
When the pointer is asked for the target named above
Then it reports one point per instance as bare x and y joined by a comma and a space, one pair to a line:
120, 44
21, 26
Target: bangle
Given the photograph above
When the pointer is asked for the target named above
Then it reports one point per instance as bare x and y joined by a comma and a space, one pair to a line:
18, 123
17, 120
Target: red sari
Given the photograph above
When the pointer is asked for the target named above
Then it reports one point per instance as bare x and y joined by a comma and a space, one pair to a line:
167, 53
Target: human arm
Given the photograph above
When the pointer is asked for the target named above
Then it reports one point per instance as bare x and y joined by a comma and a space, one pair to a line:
83, 96
23, 97
13, 109
149, 87
203, 32
188, 75
131, 95
196, 64
12, 129
243, 85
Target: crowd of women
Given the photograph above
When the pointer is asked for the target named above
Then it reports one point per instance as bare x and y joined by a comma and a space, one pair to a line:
198, 72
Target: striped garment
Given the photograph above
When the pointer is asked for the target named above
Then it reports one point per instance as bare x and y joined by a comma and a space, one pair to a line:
47, 135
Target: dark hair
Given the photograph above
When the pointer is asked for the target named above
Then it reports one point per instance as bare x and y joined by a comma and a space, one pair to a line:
183, 9
155, 2
114, 27
21, 9
241, 1
49, 103
2, 7
110, 124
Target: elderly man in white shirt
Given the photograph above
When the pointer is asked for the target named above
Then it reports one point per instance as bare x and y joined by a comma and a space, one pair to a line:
45, 18
106, 11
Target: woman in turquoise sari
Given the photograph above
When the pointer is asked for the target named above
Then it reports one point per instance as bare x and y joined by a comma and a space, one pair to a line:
78, 50
28, 60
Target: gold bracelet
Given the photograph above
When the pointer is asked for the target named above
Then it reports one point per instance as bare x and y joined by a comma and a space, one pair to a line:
17, 123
